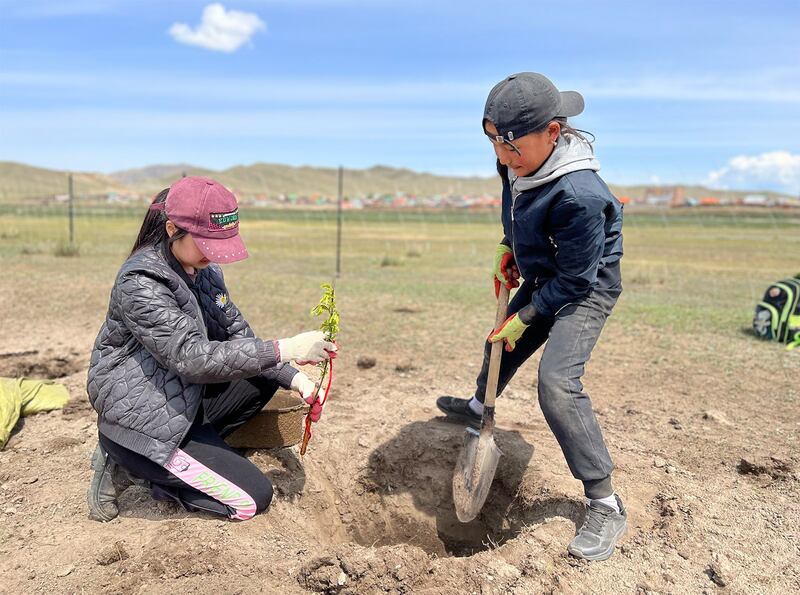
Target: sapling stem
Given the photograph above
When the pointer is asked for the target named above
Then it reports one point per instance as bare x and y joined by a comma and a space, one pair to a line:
330, 328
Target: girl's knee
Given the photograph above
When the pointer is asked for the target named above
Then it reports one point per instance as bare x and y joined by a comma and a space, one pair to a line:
256, 498
263, 495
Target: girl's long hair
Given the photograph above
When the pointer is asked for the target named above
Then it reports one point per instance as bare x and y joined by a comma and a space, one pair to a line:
154, 230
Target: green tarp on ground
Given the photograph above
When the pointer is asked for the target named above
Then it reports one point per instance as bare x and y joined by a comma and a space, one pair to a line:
21, 396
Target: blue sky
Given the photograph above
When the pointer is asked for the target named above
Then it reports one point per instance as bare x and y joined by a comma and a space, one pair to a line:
703, 92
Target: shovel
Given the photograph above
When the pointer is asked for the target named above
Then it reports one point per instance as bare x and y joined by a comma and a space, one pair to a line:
478, 458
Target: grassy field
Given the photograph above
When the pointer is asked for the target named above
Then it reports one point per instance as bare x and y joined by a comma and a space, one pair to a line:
688, 272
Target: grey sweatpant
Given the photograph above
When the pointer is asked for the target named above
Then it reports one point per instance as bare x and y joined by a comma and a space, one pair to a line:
570, 338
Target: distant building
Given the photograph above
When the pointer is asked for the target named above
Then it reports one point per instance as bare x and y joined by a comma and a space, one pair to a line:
756, 200
665, 196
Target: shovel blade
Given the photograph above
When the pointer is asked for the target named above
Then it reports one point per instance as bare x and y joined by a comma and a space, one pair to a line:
474, 473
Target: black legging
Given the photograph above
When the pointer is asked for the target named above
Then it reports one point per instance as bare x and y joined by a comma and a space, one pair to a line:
205, 473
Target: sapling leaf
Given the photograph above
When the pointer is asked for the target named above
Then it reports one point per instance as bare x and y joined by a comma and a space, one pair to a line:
327, 304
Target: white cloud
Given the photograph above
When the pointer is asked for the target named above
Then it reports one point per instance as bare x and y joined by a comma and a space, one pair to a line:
777, 170
220, 30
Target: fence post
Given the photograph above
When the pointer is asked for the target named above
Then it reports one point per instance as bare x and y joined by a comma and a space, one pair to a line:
71, 214
339, 225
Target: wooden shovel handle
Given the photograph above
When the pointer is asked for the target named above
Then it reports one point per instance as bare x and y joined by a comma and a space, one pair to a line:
497, 348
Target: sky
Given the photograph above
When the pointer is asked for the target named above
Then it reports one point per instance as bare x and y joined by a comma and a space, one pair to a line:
676, 92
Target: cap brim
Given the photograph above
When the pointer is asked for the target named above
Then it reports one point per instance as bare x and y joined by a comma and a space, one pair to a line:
571, 104
222, 250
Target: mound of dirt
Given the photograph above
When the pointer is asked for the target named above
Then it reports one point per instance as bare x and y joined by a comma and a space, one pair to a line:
32, 364
774, 467
350, 569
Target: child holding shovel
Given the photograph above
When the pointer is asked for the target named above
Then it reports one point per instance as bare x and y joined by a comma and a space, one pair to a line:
563, 237
176, 367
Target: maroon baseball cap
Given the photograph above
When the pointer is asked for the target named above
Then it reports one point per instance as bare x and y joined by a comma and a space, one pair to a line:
210, 213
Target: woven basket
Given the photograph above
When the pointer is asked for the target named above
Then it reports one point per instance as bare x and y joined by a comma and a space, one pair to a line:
279, 424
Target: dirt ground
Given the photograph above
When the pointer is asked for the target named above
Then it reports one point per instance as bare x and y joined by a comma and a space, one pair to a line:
707, 463
702, 422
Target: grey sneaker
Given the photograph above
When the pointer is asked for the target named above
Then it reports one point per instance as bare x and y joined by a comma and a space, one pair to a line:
601, 529
459, 410
108, 482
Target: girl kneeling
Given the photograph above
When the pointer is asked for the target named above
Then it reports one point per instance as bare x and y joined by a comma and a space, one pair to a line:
176, 367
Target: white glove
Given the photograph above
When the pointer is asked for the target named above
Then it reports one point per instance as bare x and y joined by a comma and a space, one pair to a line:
303, 385
308, 391
310, 347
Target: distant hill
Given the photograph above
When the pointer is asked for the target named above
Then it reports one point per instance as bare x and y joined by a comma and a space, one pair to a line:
146, 175
270, 179
21, 183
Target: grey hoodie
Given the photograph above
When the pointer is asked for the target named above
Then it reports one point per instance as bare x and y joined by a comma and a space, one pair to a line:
572, 153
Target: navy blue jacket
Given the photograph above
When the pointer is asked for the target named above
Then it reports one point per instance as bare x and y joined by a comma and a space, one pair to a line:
566, 236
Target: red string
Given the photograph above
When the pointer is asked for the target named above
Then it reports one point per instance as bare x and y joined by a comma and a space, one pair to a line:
307, 434
330, 380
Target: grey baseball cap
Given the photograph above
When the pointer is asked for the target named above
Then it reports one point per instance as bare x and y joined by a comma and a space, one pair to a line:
525, 102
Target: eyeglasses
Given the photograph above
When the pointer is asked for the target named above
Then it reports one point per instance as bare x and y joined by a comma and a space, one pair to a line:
501, 140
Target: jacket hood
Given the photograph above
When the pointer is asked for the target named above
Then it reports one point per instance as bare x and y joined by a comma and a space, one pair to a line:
572, 153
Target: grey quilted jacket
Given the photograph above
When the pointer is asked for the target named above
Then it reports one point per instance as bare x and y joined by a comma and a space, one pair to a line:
165, 337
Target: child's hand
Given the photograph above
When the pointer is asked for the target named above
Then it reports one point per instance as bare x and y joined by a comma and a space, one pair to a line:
307, 348
503, 261
510, 332
307, 389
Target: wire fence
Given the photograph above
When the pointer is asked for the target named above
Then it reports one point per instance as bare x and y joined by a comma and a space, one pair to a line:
88, 210
87, 213
668, 250
776, 219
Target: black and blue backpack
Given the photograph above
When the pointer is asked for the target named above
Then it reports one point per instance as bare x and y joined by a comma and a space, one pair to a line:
777, 316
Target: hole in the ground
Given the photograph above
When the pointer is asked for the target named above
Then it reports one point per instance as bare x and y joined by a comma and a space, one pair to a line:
444, 535
404, 496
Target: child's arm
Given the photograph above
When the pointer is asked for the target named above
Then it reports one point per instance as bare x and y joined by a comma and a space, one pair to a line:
237, 327
579, 236
152, 315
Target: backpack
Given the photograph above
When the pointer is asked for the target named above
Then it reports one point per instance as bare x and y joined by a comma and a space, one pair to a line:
777, 316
